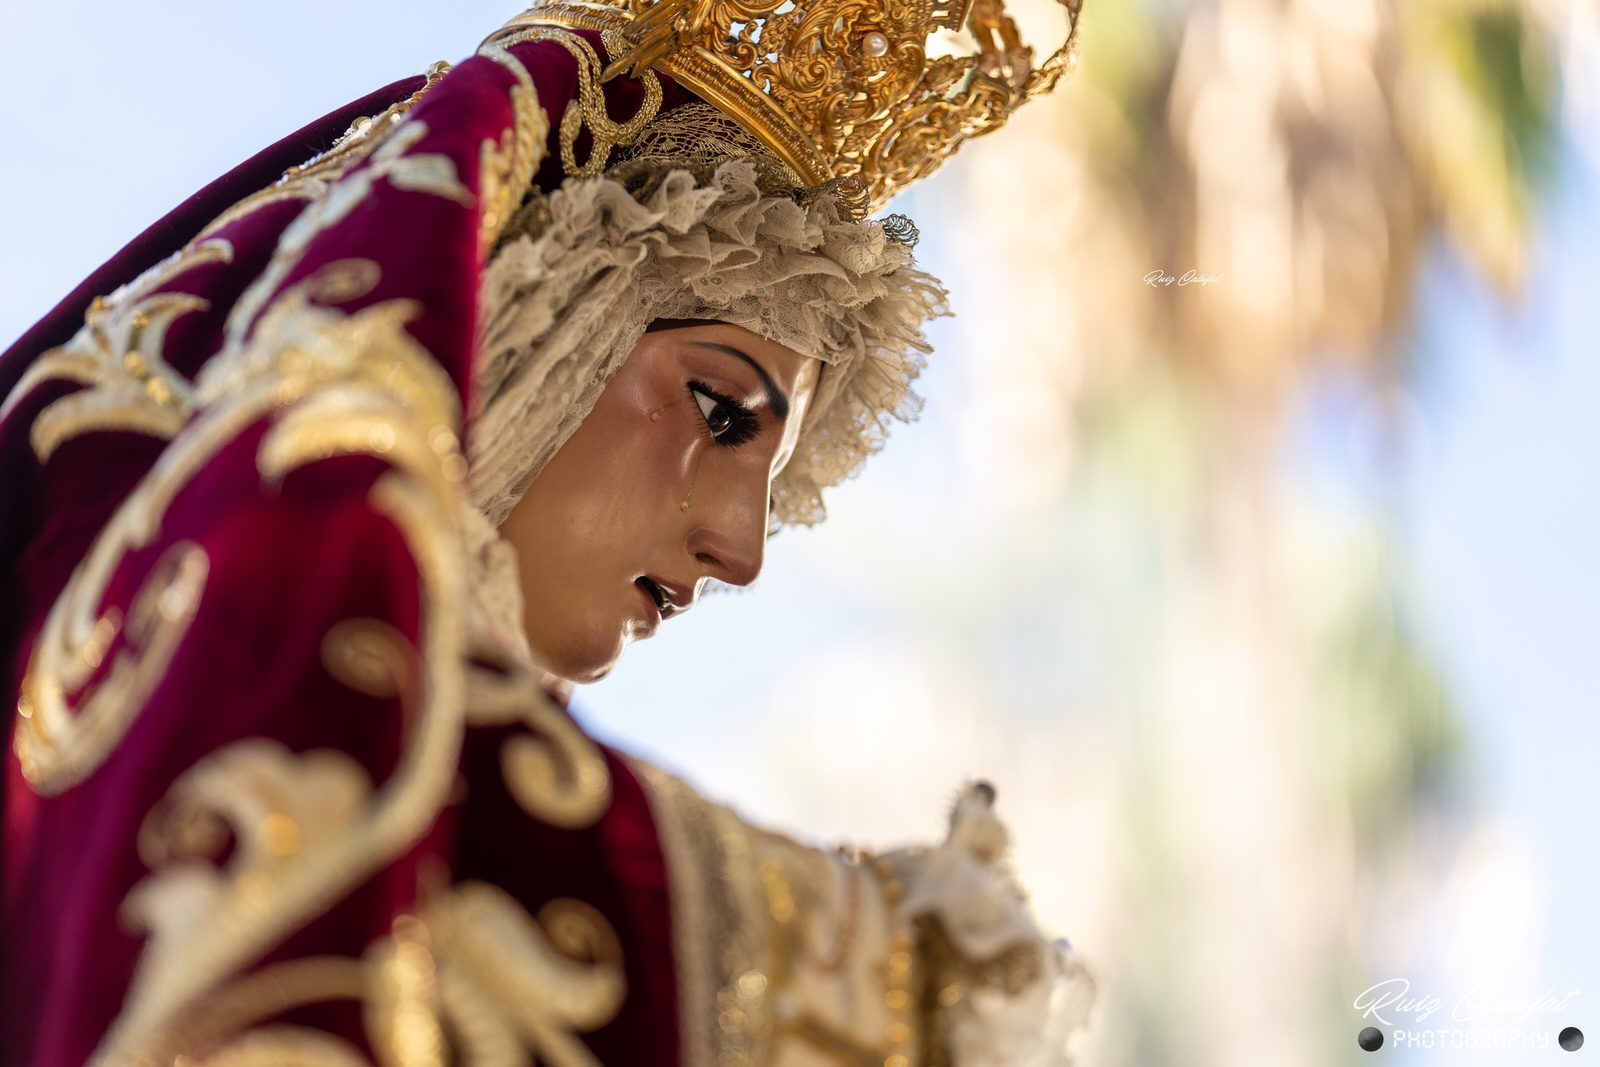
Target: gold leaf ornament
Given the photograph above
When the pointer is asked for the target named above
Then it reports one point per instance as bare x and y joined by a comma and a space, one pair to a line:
118, 355
555, 771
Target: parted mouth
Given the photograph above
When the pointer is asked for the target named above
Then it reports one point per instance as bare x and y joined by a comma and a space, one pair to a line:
670, 600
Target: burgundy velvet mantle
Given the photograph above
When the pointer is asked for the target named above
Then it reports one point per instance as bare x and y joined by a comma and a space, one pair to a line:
285, 563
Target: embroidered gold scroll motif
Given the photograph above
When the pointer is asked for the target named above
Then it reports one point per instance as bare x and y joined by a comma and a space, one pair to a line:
507, 165
283, 1046
588, 107
555, 771
392, 162
117, 355
358, 383
514, 988
308, 827
384, 376
351, 383
57, 747
471, 980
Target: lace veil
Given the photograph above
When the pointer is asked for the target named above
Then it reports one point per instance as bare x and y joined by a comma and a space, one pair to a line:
696, 220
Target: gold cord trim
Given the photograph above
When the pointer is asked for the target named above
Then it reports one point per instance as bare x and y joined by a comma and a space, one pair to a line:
588, 107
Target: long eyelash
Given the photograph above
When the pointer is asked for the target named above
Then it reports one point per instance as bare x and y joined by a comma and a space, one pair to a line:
746, 423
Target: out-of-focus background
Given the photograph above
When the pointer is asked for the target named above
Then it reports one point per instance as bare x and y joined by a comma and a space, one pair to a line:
1247, 541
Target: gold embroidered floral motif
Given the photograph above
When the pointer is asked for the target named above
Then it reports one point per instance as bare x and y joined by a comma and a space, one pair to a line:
283, 1046
366, 386
509, 984
404, 1009
57, 746
588, 107
309, 827
285, 812
117, 353
300, 349
367, 361
223, 1026
431, 173
472, 980
370, 656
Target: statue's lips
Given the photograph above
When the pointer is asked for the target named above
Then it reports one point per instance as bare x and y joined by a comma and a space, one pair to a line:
654, 597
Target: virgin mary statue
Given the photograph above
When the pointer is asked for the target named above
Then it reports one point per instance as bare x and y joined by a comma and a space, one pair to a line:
322, 494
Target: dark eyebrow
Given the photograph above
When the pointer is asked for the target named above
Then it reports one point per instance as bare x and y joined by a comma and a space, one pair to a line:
775, 396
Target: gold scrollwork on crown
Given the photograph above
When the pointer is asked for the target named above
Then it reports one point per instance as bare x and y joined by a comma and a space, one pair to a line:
837, 88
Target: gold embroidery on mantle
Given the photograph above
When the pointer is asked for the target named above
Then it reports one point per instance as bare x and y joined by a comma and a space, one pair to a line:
721, 939
556, 772
58, 747
350, 382
588, 107
317, 828
370, 656
473, 979
431, 173
286, 813
299, 855
283, 1046
212, 1028
311, 365
784, 953
308, 827
507, 165
510, 984
117, 354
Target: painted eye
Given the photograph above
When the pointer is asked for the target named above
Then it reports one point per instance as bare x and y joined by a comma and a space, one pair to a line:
730, 422
718, 418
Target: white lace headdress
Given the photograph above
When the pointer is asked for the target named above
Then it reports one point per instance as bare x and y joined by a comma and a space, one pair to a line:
704, 225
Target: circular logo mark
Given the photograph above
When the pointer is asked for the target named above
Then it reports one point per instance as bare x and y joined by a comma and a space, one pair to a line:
1571, 1039
1371, 1039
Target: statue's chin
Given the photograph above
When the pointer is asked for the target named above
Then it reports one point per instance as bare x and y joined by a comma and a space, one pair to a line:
579, 662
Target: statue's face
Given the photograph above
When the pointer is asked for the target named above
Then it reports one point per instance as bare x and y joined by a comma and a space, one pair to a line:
709, 414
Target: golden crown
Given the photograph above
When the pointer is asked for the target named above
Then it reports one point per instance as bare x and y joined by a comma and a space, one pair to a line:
837, 88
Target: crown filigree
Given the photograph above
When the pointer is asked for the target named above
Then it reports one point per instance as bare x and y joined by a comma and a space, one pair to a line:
837, 88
